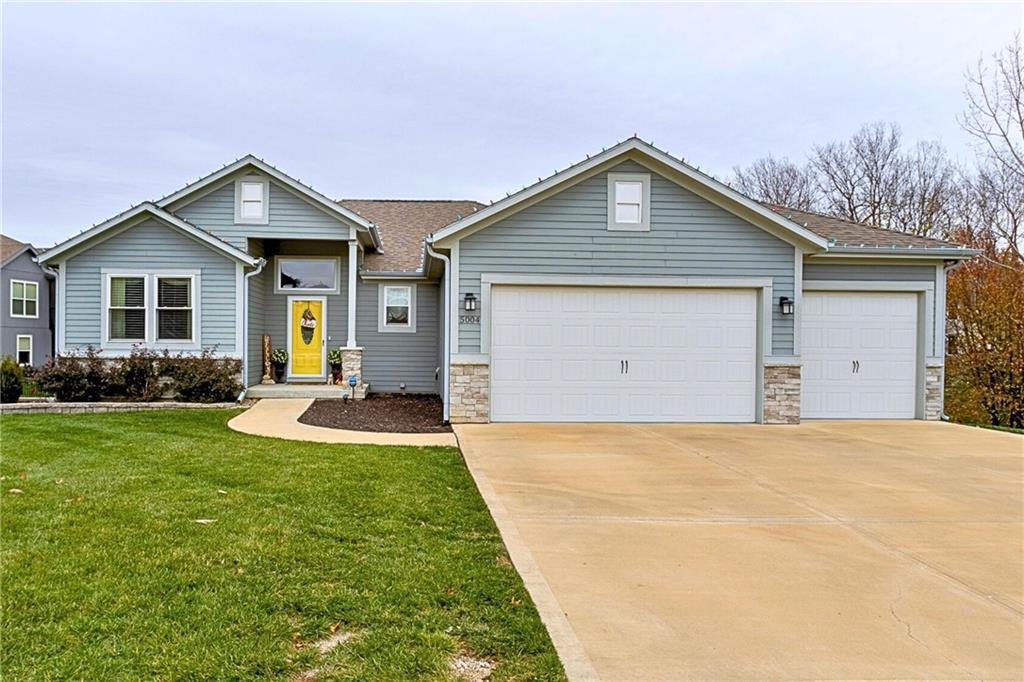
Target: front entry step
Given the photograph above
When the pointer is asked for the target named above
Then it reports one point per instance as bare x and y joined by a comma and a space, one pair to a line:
267, 391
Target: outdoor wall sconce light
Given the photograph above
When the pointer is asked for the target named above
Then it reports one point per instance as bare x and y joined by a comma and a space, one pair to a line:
786, 305
470, 302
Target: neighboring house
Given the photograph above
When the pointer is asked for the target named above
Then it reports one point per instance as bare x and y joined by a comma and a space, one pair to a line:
25, 307
628, 287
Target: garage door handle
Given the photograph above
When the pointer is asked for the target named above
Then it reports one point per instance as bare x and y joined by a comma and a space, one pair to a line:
622, 366
627, 366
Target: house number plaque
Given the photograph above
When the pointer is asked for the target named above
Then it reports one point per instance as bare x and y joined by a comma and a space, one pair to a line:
469, 319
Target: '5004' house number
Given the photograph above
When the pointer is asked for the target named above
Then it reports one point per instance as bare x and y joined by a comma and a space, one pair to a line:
469, 319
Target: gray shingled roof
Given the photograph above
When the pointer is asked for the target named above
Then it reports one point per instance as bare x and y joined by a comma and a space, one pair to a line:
403, 225
856, 234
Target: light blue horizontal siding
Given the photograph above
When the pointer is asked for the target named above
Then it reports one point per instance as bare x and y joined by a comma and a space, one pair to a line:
869, 273
390, 359
289, 215
150, 244
568, 234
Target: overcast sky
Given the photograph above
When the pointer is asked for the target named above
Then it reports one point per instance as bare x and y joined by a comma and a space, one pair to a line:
107, 105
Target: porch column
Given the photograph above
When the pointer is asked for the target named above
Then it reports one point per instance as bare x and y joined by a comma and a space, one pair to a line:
353, 266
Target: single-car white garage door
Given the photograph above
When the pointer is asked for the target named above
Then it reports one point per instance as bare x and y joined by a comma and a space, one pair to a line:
859, 355
631, 354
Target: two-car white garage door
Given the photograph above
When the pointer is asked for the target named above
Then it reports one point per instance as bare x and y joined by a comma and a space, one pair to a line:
623, 354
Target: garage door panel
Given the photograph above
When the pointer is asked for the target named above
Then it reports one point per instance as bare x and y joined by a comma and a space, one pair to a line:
691, 354
859, 355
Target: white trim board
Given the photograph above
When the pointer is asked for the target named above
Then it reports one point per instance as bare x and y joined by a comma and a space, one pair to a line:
853, 285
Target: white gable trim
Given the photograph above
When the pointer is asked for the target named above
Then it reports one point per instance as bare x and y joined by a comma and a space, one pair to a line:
201, 186
132, 217
713, 190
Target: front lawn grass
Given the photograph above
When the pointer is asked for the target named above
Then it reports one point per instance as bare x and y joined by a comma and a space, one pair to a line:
106, 573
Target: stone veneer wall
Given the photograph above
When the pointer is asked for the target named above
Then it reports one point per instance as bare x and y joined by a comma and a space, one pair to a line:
352, 363
781, 394
470, 394
934, 384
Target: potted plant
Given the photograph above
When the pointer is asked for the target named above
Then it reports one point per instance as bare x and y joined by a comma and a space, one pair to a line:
335, 358
279, 358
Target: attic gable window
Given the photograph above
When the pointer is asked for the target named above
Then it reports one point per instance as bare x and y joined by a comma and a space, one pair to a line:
252, 201
629, 202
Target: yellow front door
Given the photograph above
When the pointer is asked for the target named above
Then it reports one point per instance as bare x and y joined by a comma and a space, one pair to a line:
307, 334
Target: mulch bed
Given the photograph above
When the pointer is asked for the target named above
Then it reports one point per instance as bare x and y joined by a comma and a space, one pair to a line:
384, 412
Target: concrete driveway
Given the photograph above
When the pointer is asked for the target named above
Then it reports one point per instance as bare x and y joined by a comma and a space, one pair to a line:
831, 550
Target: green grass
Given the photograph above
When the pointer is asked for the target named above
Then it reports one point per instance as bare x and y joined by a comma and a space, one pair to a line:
107, 575
1008, 429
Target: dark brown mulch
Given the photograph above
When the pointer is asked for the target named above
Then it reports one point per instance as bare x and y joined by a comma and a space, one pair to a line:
386, 412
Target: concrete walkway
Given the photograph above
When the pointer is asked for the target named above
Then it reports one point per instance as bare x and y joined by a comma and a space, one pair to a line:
279, 418
828, 550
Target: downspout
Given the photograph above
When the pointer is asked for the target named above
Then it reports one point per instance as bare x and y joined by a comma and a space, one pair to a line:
245, 325
445, 329
58, 326
949, 267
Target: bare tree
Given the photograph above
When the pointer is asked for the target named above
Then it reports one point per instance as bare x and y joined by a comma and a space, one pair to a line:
995, 108
862, 179
777, 181
925, 196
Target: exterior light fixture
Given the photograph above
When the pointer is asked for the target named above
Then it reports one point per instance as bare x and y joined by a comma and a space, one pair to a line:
786, 305
470, 302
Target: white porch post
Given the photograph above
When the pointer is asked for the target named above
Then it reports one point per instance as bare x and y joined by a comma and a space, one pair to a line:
353, 265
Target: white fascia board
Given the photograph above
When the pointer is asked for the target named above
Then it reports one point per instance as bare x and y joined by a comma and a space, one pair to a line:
137, 214
643, 149
251, 161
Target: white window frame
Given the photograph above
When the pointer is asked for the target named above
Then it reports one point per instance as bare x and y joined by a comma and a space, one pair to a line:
156, 309
645, 202
17, 349
150, 277
264, 218
336, 289
23, 282
382, 326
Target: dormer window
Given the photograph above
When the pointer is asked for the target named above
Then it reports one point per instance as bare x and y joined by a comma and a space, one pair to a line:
251, 200
629, 202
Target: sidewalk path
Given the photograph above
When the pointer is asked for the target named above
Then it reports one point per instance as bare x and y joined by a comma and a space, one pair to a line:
279, 418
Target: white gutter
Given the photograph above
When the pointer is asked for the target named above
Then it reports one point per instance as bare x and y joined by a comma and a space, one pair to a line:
245, 323
445, 329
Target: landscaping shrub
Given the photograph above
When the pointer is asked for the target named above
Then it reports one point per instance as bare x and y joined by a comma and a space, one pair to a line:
143, 375
136, 377
203, 378
75, 377
11, 378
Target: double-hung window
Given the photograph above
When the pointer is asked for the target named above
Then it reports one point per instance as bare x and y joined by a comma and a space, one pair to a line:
24, 349
173, 308
24, 298
126, 309
397, 303
629, 202
156, 308
251, 200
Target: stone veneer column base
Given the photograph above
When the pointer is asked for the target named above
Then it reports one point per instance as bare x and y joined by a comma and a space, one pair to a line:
934, 385
352, 363
469, 394
781, 394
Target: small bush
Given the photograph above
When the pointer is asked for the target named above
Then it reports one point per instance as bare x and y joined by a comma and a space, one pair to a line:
75, 378
137, 376
11, 379
203, 378
279, 356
